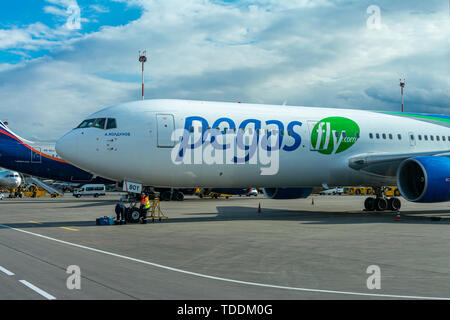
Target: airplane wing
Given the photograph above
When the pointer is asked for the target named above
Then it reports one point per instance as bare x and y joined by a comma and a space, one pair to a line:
387, 164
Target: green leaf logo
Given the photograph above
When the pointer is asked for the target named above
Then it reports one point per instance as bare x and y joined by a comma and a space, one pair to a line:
334, 135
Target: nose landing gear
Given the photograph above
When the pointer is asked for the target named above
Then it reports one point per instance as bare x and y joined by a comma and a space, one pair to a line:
381, 203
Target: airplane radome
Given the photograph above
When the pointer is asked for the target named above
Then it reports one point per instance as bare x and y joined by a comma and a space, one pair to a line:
285, 149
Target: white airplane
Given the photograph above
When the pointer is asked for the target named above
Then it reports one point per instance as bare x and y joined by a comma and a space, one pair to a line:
285, 149
10, 179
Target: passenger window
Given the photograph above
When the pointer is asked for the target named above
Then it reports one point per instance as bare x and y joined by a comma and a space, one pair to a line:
111, 124
371, 135
438, 138
412, 137
390, 136
432, 138
384, 136
377, 136
100, 123
399, 137
425, 137
443, 138
420, 137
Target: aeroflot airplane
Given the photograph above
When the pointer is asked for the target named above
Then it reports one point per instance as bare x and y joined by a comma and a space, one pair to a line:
10, 179
287, 150
39, 159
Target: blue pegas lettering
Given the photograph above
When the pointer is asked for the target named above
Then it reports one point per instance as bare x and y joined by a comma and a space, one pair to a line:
280, 132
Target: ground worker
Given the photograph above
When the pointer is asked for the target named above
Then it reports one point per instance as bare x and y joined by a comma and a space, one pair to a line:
145, 206
120, 213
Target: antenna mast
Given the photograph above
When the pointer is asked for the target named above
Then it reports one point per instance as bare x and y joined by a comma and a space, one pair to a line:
143, 59
402, 85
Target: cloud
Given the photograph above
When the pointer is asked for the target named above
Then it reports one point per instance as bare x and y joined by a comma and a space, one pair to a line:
318, 53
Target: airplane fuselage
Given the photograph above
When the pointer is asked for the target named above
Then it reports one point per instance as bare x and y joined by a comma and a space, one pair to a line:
314, 145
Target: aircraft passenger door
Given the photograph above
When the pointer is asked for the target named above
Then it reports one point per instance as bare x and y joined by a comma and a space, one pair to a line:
165, 127
36, 156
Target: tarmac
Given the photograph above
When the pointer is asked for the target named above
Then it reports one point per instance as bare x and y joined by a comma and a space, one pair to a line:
224, 249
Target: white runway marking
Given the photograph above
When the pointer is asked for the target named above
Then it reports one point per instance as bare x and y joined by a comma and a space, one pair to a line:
9, 273
225, 279
36, 289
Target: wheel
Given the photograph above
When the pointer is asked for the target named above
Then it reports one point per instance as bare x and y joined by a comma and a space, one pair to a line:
135, 214
179, 196
394, 204
381, 204
369, 204
165, 196
96, 195
78, 195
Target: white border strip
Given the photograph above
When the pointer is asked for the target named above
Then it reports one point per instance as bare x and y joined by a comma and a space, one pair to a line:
225, 279
9, 273
36, 289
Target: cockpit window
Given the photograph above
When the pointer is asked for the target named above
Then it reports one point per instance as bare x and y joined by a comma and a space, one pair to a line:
86, 123
111, 124
100, 123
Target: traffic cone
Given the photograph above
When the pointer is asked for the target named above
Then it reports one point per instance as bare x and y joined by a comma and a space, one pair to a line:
259, 207
398, 218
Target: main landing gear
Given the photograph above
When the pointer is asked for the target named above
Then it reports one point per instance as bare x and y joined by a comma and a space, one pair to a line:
380, 203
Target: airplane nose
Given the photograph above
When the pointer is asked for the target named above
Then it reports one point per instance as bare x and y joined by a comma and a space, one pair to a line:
67, 146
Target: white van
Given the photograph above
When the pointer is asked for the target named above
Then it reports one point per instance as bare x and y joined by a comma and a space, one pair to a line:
90, 190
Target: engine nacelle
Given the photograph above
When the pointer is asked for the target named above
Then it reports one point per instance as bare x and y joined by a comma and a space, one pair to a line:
287, 193
424, 179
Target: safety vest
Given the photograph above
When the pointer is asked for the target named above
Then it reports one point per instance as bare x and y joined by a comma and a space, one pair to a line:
146, 203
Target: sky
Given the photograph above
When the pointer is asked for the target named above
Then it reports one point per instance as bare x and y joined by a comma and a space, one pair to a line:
61, 60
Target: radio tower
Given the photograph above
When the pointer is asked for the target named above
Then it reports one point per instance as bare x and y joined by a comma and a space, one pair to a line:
143, 59
402, 85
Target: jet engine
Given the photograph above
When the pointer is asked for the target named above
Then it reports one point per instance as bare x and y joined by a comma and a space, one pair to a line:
287, 193
425, 179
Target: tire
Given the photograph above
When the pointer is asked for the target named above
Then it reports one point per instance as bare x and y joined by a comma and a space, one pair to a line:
179, 196
369, 204
394, 204
78, 195
165, 196
381, 204
135, 214
96, 195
